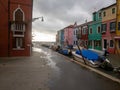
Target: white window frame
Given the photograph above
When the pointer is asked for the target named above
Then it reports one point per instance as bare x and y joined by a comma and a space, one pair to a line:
89, 31
18, 27
97, 29
19, 42
110, 43
114, 10
21, 11
119, 44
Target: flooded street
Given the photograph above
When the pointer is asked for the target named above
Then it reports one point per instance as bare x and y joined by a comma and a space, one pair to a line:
48, 70
67, 75
59, 45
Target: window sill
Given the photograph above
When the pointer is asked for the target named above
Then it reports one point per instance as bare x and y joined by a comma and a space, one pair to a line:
112, 31
18, 49
103, 31
111, 47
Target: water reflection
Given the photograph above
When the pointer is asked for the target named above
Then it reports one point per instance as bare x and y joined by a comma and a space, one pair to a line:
56, 70
37, 49
52, 63
47, 56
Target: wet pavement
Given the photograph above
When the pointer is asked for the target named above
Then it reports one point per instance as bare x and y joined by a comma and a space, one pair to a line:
115, 59
72, 76
24, 73
48, 70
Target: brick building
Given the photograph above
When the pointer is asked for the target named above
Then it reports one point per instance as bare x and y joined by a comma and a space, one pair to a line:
15, 27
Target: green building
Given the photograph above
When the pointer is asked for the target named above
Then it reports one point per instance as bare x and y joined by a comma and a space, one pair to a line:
94, 36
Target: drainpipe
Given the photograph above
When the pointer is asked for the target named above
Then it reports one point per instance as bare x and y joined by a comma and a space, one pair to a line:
117, 21
8, 28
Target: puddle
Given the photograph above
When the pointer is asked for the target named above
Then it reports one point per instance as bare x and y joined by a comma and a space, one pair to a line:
37, 50
56, 73
52, 64
47, 55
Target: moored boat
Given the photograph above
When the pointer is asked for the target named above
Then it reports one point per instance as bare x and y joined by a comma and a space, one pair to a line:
89, 57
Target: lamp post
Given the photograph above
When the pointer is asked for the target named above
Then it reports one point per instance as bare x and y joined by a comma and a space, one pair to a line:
34, 19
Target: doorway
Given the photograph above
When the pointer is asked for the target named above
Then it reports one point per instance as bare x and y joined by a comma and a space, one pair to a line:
105, 43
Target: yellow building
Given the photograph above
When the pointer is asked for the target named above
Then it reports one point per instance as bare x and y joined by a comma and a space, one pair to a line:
117, 38
109, 13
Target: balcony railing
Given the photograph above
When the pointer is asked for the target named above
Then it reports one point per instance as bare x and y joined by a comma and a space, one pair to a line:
18, 29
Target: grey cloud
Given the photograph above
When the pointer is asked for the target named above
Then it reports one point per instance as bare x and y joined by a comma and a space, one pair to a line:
59, 13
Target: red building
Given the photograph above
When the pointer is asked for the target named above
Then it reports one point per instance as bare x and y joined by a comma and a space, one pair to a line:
15, 27
83, 30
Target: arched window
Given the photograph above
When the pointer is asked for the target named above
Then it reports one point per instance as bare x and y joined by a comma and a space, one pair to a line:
18, 15
18, 29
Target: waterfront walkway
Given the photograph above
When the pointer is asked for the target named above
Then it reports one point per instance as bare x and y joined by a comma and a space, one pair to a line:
114, 59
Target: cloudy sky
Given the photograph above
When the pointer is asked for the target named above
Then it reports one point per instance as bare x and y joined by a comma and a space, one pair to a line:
61, 13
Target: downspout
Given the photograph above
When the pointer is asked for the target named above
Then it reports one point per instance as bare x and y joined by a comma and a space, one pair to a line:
8, 28
117, 16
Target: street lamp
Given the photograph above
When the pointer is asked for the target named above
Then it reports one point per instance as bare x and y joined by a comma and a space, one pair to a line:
34, 19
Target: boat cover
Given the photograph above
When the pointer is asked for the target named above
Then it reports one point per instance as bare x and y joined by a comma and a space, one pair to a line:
88, 54
65, 52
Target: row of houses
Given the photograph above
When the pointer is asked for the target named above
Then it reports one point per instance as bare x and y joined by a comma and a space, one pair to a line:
102, 32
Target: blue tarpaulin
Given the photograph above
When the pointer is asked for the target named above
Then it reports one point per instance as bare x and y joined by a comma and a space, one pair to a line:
65, 52
88, 54
78, 52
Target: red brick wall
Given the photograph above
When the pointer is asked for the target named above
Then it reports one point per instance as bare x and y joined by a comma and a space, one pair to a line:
26, 6
3, 27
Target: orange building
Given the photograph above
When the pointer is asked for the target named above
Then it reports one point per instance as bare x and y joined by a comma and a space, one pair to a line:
15, 27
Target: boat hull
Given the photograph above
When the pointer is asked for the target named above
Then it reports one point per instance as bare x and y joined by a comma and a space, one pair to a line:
88, 62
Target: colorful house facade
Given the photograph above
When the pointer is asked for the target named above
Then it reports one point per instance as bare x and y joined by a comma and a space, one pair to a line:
84, 34
15, 27
68, 35
94, 36
109, 27
60, 38
117, 37
102, 33
75, 30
